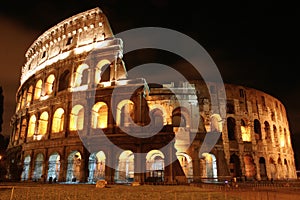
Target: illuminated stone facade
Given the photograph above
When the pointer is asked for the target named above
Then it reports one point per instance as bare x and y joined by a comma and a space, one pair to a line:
63, 93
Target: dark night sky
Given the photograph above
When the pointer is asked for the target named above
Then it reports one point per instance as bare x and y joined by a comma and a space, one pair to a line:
252, 43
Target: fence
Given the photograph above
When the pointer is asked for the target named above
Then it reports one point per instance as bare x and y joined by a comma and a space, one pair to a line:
89, 192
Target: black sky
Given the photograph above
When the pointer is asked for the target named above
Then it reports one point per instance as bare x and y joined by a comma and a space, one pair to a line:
253, 43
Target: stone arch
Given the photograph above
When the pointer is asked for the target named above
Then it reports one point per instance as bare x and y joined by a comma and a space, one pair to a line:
99, 116
231, 128
282, 137
38, 167
64, 81
262, 168
31, 126
29, 95
155, 166
76, 118
58, 120
157, 116
97, 166
125, 113
53, 166
23, 128
257, 129
181, 117
286, 168
38, 89
287, 138
186, 164
49, 84
42, 126
209, 167
245, 131
273, 169
280, 168
216, 123
154, 107
235, 166
125, 167
74, 167
81, 75
102, 71
267, 131
250, 169
26, 168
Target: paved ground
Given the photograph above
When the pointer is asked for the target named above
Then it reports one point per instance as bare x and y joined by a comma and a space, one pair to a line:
37, 191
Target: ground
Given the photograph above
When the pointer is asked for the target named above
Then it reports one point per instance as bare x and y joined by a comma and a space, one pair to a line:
26, 191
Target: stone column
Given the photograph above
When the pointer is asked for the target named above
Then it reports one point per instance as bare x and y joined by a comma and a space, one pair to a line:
63, 166
32, 163
256, 162
139, 166
109, 167
197, 168
169, 157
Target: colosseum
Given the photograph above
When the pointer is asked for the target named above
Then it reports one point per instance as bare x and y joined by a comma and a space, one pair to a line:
71, 126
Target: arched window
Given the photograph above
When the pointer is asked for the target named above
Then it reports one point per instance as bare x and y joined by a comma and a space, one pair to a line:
74, 167
155, 166
286, 168
246, 132
77, 118
235, 166
53, 166
178, 118
49, 84
99, 115
209, 166
58, 120
80, 77
216, 123
267, 131
231, 128
96, 167
29, 95
262, 168
257, 129
31, 126
125, 170
38, 167
43, 123
102, 71
158, 112
38, 90
26, 168
273, 168
125, 113
157, 117
250, 169
64, 81
186, 164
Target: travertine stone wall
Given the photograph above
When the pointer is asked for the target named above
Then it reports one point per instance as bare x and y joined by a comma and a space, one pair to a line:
78, 63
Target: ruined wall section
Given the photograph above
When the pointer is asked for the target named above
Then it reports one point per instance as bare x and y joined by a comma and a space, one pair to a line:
265, 117
60, 40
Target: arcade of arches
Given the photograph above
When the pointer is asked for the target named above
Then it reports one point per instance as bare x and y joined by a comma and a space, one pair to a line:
61, 95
